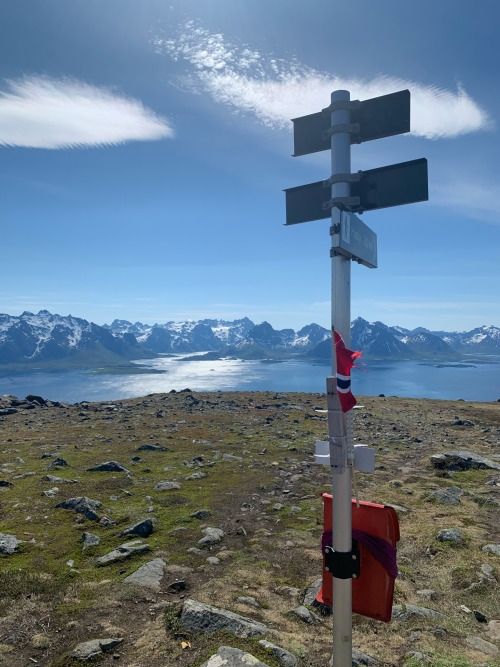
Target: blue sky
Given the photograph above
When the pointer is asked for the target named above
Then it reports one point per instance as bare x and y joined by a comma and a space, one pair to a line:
145, 146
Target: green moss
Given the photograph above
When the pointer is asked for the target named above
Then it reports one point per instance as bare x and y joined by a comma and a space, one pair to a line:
438, 661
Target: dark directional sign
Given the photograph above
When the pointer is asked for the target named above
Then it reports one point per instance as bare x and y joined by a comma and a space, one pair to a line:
396, 184
305, 203
379, 117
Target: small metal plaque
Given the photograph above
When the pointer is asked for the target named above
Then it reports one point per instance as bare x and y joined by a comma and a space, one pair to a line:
356, 240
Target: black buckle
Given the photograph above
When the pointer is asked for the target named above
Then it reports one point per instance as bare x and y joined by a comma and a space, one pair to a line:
343, 565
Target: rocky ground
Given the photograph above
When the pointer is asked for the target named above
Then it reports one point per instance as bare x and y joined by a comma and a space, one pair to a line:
185, 529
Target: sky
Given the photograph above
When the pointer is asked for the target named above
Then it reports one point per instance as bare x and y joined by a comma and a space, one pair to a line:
145, 146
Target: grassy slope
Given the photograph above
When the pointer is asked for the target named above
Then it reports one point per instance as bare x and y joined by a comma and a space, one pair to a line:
48, 605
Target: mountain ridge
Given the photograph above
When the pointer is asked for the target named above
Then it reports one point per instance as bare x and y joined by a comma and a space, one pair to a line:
46, 338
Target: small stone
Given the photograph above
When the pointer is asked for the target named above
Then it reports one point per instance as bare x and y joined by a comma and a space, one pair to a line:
482, 645
152, 448
449, 496
212, 536
108, 466
122, 552
492, 548
231, 457
58, 463
427, 593
93, 648
312, 592
493, 630
148, 575
82, 505
200, 514
90, 540
51, 493
167, 486
142, 528
403, 613
487, 570
58, 480
305, 615
232, 657
197, 475
248, 600
8, 544
285, 658
453, 535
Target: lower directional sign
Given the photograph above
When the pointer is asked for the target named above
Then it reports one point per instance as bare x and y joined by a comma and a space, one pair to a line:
403, 183
355, 240
396, 184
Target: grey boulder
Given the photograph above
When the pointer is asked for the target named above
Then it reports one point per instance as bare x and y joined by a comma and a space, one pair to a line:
82, 505
199, 617
8, 544
108, 466
148, 575
93, 648
122, 552
227, 656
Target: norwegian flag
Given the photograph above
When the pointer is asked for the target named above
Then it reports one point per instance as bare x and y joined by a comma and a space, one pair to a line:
345, 361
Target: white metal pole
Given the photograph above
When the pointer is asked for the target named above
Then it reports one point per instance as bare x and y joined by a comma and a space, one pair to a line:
341, 322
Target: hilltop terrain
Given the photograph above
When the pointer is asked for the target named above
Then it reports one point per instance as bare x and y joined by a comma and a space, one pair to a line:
219, 494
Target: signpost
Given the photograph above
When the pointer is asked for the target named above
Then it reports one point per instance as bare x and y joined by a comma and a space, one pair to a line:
343, 123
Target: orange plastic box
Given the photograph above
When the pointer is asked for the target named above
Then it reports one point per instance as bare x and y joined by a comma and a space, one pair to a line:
373, 590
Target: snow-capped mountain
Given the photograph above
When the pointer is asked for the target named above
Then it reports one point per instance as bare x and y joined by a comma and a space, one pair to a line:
485, 340
209, 335
46, 338
377, 340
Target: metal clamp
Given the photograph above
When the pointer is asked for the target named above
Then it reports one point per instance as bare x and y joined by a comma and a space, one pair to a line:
343, 565
346, 203
337, 250
343, 178
351, 128
342, 105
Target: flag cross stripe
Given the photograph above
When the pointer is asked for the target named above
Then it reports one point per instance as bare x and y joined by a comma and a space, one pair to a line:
343, 383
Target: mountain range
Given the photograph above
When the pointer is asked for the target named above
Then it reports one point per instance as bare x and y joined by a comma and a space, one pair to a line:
49, 340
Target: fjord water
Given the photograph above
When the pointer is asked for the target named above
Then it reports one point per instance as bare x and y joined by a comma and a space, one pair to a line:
474, 379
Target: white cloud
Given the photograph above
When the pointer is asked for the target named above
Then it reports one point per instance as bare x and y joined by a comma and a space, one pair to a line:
479, 200
38, 112
275, 90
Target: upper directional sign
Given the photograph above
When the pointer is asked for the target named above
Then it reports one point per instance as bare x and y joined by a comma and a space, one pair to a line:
396, 184
377, 118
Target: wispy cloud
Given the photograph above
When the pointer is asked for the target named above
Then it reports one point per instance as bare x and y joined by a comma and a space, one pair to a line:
39, 112
477, 200
275, 90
